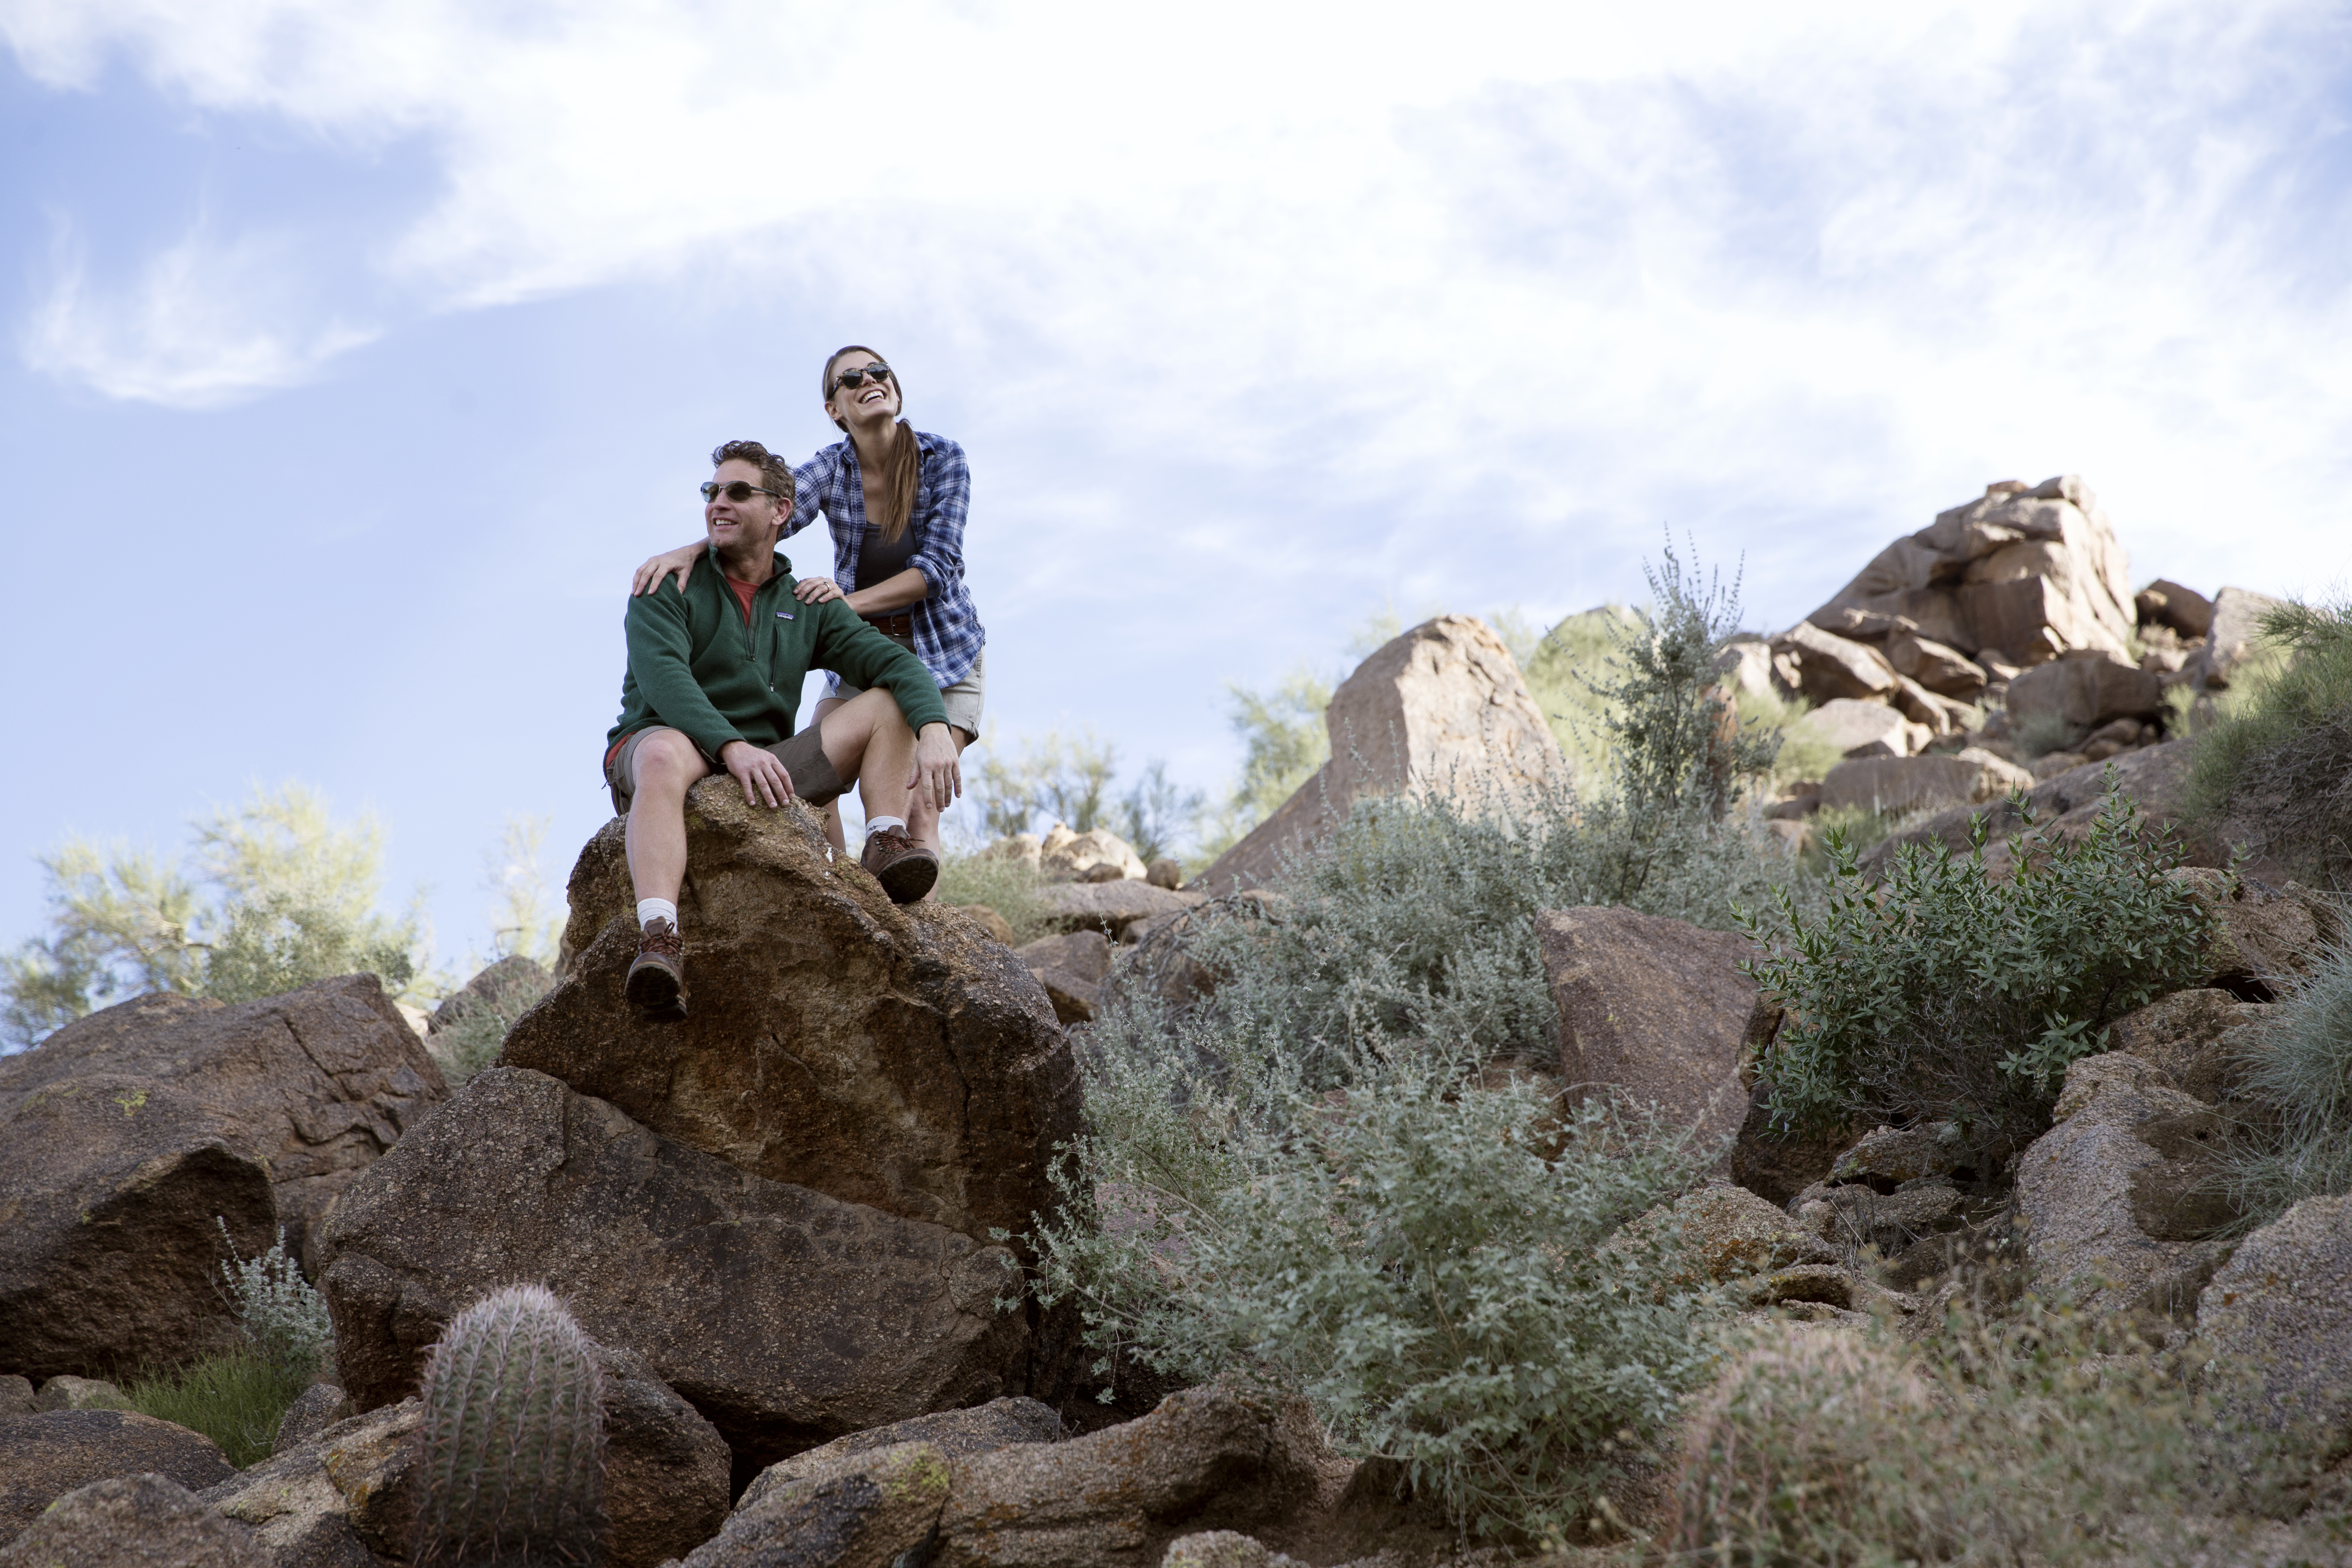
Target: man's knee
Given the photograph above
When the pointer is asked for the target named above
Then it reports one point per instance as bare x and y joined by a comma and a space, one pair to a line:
666, 763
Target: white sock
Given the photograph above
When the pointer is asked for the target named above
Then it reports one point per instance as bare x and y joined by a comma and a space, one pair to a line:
876, 823
652, 909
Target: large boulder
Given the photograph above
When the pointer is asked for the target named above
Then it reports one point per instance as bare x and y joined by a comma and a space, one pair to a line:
113, 1190
318, 1082
1652, 1011
2281, 1308
1097, 855
886, 1056
785, 1316
1830, 666
2201, 1037
150, 1520
2029, 572
346, 1498
1854, 728
2233, 640
2084, 693
2117, 1199
868, 1508
1907, 785
44, 1457
1442, 708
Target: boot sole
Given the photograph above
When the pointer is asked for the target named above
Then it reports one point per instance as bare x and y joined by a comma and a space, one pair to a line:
909, 879
657, 994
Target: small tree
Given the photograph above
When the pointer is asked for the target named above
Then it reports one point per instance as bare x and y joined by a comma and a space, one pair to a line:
292, 900
526, 921
1065, 778
1155, 812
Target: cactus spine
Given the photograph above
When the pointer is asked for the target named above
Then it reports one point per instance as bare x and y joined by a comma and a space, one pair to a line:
510, 1449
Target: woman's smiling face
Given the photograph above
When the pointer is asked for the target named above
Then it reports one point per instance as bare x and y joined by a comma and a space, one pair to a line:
875, 397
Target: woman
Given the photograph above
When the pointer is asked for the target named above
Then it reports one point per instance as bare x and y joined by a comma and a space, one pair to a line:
895, 497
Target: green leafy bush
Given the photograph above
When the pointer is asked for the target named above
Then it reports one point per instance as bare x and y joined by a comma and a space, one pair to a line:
2039, 1437
281, 1315
1944, 994
2274, 768
2299, 1144
1422, 1258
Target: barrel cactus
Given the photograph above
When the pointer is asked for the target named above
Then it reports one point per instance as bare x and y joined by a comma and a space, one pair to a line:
510, 1449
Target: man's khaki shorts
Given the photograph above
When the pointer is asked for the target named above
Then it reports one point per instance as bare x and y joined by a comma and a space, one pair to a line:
812, 773
962, 700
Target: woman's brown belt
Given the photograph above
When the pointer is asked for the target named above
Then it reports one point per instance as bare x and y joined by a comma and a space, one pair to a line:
901, 625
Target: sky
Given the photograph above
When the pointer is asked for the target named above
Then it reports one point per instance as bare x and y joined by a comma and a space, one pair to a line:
354, 354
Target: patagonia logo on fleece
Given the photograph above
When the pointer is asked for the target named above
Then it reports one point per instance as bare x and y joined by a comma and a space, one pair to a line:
784, 615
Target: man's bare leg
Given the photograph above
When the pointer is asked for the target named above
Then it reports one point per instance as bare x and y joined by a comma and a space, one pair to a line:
663, 766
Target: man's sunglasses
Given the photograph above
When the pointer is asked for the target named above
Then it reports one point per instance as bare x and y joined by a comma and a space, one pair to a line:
738, 490
856, 378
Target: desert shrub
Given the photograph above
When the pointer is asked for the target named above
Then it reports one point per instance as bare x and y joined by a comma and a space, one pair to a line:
1007, 886
236, 1398
2039, 1437
1672, 745
2276, 766
1420, 1256
1943, 994
1417, 920
2300, 1144
2039, 734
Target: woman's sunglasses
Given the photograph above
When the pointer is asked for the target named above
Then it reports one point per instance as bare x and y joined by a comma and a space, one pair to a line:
856, 378
738, 490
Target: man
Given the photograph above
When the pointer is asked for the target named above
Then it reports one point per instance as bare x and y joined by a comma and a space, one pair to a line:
714, 681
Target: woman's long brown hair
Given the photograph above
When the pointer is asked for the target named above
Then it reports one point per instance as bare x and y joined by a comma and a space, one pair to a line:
904, 464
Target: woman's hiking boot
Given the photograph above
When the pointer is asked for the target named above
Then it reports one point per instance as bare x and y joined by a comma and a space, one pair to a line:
904, 867
657, 982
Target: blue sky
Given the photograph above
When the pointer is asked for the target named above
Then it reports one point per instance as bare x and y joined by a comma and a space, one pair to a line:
353, 354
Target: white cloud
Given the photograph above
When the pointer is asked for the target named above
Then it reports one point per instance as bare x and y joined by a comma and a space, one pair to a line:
1546, 262
206, 323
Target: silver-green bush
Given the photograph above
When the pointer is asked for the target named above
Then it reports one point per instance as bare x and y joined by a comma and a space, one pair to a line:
1421, 1255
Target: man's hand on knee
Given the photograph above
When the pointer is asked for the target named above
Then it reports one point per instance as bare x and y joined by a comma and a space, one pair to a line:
763, 778
939, 777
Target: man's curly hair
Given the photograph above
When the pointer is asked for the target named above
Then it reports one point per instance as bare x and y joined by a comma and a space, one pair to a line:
775, 474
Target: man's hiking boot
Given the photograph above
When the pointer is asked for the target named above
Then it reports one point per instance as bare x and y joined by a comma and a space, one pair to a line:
656, 984
904, 867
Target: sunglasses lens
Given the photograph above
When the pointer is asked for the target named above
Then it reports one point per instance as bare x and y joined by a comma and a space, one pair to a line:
739, 491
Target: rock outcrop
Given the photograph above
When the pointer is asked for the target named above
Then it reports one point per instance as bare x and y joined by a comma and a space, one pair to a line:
318, 1083
1652, 1010
2028, 572
147, 1520
2115, 1199
1097, 855
886, 1056
1441, 707
785, 1316
110, 1187
2282, 1307
44, 1457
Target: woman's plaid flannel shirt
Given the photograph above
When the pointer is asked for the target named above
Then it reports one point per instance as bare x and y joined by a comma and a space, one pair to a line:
948, 632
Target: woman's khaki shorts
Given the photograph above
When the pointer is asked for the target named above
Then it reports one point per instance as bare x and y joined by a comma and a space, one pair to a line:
811, 770
962, 700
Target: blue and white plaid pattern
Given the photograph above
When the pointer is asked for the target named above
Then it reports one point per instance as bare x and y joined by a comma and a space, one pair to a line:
948, 632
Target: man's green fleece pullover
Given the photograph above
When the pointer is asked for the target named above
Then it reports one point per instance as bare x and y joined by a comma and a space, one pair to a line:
695, 667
